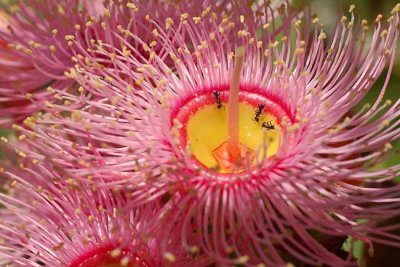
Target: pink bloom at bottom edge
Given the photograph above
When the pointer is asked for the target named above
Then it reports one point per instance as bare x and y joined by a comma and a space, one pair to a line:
55, 224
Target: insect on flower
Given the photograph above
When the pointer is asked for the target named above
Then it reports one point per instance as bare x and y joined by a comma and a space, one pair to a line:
268, 125
217, 99
259, 112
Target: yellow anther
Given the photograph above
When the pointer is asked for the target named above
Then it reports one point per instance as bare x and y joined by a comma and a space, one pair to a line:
60, 10
28, 96
49, 104
243, 259
196, 20
139, 81
155, 33
396, 9
153, 44
243, 33
184, 16
124, 261
206, 11
169, 257
194, 249
106, 13
119, 29
351, 9
115, 253
13, 184
386, 123
212, 36
76, 116
69, 37
299, 51
133, 7
168, 23
126, 51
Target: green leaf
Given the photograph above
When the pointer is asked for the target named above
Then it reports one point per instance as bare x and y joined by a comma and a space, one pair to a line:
358, 247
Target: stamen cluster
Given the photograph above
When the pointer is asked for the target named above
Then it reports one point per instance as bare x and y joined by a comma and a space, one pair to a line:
97, 173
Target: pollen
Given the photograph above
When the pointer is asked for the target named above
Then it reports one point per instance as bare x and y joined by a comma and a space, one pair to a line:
378, 18
386, 123
69, 37
125, 261
196, 20
388, 146
28, 96
133, 7
168, 23
396, 9
169, 257
243, 259
106, 13
13, 184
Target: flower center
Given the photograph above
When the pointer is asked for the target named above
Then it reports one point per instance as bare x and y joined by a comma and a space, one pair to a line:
109, 257
203, 128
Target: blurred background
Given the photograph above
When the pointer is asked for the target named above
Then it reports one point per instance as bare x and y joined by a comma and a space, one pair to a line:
327, 11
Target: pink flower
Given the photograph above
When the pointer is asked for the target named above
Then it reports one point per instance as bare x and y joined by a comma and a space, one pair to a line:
77, 153
37, 52
277, 208
55, 224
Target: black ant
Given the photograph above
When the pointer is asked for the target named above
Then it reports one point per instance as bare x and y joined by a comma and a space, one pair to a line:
217, 99
268, 125
258, 112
